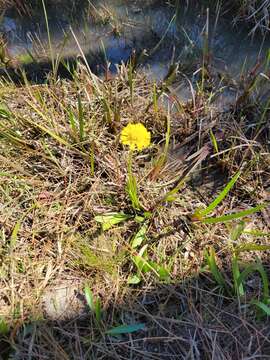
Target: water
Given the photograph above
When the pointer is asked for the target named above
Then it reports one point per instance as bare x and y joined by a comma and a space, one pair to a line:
108, 32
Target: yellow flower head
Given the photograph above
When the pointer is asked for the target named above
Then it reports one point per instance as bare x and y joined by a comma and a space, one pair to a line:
135, 136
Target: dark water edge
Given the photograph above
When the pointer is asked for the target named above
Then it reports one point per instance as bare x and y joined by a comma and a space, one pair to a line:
110, 31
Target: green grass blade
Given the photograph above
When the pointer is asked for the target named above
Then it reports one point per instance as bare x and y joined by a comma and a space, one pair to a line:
126, 329
220, 197
110, 219
132, 192
256, 233
95, 306
237, 231
14, 235
13, 137
211, 262
140, 236
141, 260
230, 217
262, 306
103, 49
4, 111
252, 247
98, 310
4, 328
163, 273
107, 111
258, 267
155, 98
238, 287
214, 141
89, 297
72, 121
134, 279
81, 119
145, 266
49, 37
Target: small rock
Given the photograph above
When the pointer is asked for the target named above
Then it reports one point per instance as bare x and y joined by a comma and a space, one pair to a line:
63, 301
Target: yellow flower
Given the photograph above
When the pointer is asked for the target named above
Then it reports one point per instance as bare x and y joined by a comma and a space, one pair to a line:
135, 136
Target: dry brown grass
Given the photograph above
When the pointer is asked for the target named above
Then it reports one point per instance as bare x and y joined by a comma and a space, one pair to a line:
53, 185
187, 321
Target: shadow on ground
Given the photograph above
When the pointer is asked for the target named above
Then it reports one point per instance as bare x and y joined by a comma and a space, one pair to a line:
194, 320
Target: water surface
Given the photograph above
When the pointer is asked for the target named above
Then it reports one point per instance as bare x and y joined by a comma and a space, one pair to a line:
108, 32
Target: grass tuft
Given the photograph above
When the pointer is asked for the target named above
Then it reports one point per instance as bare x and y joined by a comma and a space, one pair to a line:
140, 251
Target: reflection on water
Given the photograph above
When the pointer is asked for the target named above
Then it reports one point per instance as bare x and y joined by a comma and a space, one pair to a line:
109, 30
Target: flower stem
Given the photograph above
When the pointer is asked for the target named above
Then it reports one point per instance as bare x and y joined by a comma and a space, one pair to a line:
131, 186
